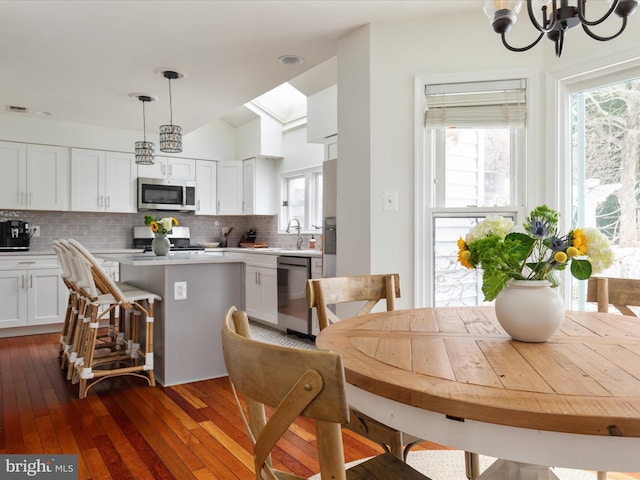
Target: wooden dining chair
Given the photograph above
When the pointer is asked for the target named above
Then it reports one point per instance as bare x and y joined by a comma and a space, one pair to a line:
295, 382
622, 293
369, 290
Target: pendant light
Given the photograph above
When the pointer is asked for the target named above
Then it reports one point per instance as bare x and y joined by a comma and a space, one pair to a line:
144, 150
170, 135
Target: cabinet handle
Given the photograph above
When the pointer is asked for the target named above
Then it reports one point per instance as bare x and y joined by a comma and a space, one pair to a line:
22, 278
108, 203
198, 205
30, 281
100, 201
170, 170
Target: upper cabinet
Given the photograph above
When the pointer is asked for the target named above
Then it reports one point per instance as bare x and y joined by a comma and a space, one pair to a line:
322, 115
34, 176
103, 181
260, 186
229, 184
170, 168
259, 137
206, 174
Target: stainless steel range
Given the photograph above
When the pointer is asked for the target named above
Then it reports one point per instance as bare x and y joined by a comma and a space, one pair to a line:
180, 239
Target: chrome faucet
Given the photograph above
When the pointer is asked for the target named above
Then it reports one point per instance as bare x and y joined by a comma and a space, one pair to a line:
297, 225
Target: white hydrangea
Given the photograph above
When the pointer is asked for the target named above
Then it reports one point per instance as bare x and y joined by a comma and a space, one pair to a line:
598, 250
166, 224
491, 225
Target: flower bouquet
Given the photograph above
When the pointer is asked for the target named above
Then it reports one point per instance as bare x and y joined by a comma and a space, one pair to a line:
160, 226
537, 251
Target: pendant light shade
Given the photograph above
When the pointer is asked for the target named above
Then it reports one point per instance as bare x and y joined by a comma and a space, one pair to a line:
145, 154
170, 135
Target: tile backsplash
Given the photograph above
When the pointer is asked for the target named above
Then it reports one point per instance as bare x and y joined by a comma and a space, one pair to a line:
114, 230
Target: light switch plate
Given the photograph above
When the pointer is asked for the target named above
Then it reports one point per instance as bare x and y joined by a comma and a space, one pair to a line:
390, 201
180, 291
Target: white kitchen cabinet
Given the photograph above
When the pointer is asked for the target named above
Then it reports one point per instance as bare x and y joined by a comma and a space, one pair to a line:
260, 186
103, 181
171, 168
261, 287
206, 199
322, 115
229, 187
260, 137
32, 294
34, 176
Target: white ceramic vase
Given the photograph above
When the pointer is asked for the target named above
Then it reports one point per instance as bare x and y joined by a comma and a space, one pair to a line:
160, 245
529, 310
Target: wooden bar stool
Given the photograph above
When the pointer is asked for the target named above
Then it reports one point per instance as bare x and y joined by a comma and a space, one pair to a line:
98, 363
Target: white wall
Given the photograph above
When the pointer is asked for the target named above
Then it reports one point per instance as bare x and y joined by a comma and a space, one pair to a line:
377, 66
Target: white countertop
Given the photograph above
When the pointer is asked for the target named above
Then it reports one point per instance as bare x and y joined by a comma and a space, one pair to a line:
274, 251
174, 258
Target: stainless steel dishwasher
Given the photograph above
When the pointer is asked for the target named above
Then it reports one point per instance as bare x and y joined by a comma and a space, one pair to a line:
293, 314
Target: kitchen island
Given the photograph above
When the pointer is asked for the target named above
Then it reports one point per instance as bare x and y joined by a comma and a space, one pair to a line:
197, 289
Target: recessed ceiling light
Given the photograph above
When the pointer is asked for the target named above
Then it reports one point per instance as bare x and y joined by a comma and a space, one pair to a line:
290, 60
44, 114
17, 109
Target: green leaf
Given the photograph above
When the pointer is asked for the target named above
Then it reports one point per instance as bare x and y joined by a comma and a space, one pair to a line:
493, 283
518, 245
581, 269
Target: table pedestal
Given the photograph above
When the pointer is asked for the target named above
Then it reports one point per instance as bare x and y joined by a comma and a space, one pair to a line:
508, 470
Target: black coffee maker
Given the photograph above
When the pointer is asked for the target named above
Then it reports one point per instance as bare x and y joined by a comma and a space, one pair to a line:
14, 235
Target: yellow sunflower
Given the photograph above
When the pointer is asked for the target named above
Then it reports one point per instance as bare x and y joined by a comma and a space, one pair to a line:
580, 241
464, 254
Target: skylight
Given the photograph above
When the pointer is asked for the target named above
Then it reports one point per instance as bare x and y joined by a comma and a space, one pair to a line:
284, 103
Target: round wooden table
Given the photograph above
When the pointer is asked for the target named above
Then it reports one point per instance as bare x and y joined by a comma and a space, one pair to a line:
453, 376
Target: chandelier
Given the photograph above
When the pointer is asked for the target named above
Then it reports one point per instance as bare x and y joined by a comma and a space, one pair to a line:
556, 17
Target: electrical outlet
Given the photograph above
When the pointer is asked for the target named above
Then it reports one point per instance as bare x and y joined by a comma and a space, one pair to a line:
180, 291
35, 231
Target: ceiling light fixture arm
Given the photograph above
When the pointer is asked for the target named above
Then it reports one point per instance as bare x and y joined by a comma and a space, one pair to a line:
555, 22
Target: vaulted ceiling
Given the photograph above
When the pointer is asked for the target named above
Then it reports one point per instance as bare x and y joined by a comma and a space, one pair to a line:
81, 60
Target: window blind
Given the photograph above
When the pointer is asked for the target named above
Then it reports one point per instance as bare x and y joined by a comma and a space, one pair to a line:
500, 103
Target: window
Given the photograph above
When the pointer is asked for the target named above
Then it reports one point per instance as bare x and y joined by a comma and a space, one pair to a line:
605, 167
473, 166
302, 199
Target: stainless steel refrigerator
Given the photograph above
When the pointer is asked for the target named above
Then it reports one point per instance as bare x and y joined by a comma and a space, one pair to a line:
329, 204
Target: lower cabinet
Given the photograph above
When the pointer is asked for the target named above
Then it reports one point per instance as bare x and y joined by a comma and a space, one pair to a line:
261, 287
32, 296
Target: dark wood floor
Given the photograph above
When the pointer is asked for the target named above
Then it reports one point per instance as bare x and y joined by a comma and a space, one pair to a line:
127, 430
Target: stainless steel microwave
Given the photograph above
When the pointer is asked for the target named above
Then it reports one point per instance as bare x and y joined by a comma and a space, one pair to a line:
162, 194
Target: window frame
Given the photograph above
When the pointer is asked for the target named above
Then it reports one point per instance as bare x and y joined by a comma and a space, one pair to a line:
312, 200
568, 83
426, 211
